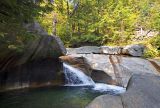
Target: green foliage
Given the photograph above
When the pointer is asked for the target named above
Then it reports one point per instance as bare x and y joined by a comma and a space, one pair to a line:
156, 42
80, 22
89, 39
152, 47
14, 14
114, 21
151, 51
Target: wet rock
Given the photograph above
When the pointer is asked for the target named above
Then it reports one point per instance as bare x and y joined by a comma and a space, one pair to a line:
77, 62
142, 92
32, 74
114, 69
19, 71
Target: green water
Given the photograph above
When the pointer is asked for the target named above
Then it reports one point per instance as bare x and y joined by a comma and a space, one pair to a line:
50, 97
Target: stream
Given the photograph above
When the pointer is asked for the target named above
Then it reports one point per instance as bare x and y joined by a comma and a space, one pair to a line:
78, 91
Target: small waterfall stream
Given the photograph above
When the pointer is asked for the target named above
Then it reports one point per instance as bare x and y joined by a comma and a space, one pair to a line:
75, 77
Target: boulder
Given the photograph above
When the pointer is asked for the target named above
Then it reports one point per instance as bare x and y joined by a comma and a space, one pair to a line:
35, 65
135, 50
114, 69
142, 92
44, 47
40, 47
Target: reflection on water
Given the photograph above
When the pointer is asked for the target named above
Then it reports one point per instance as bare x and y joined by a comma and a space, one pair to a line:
50, 97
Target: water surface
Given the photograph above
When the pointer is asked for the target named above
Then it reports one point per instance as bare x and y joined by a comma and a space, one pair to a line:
49, 97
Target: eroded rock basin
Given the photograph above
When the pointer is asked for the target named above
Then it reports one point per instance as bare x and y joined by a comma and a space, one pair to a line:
139, 76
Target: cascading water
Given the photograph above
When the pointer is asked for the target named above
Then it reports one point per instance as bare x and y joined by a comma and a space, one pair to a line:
75, 77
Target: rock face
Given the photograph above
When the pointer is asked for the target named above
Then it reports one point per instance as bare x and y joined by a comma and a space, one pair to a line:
113, 69
111, 65
38, 73
136, 50
77, 62
44, 47
41, 47
33, 62
142, 92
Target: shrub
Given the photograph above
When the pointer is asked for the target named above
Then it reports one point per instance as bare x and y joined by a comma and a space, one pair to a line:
153, 47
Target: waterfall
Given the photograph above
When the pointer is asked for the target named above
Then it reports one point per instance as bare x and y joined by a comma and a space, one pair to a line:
75, 77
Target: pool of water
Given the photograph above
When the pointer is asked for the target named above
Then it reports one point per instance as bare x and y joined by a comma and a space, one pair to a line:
49, 97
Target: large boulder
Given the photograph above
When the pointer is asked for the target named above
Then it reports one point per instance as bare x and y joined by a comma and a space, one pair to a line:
113, 69
36, 65
142, 92
39, 47
44, 47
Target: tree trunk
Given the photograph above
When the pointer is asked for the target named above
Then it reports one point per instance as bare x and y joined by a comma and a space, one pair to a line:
54, 24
